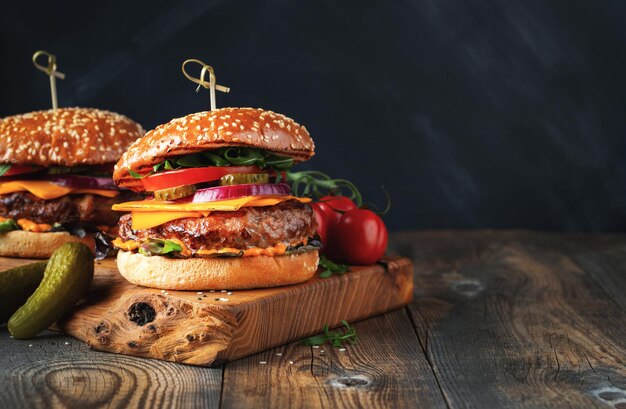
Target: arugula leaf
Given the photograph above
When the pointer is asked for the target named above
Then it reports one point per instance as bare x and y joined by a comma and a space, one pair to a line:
4, 168
239, 156
103, 245
336, 338
168, 165
135, 174
279, 162
229, 254
331, 268
216, 160
159, 247
75, 229
8, 225
194, 160
312, 244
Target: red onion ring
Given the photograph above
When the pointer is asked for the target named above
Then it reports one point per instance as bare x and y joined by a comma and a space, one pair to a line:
213, 194
81, 182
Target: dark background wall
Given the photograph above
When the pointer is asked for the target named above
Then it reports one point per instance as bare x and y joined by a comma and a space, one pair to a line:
487, 113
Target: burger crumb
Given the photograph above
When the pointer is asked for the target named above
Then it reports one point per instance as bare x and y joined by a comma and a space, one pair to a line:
290, 362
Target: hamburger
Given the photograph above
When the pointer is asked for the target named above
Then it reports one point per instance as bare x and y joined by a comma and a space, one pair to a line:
55, 177
218, 215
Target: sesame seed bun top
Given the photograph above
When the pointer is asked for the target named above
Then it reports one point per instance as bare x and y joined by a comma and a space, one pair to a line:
66, 137
247, 127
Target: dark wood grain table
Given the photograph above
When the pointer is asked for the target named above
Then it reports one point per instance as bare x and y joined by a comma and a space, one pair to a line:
500, 319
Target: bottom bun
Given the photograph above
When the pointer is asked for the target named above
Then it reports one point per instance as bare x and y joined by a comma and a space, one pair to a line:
216, 273
26, 244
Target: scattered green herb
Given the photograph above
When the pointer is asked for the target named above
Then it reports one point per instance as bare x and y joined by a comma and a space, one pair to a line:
336, 338
331, 267
318, 184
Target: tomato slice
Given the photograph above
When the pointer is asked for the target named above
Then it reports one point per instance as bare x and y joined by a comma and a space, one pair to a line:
191, 176
19, 170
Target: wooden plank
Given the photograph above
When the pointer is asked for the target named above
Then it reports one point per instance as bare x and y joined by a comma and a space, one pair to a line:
385, 369
519, 319
215, 327
55, 370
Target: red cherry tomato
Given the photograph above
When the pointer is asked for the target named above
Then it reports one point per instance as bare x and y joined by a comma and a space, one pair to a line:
327, 212
340, 204
323, 215
360, 237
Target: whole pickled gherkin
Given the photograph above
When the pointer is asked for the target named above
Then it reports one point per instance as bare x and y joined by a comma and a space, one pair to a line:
16, 285
67, 277
174, 192
240, 178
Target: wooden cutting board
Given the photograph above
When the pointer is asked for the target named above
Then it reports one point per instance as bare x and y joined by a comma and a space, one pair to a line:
218, 326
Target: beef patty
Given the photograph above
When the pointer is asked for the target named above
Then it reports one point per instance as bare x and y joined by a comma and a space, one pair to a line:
66, 209
288, 222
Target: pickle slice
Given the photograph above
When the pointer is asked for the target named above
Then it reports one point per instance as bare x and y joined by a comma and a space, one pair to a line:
65, 280
175, 192
241, 179
16, 285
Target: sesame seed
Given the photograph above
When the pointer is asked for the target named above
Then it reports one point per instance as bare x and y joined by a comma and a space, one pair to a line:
279, 354
263, 362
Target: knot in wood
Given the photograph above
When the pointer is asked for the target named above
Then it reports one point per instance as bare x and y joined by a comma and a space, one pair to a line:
141, 313
352, 382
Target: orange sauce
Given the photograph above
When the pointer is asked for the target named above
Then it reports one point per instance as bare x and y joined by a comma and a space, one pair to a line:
30, 225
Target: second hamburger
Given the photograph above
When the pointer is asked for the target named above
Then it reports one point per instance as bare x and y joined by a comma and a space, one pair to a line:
220, 216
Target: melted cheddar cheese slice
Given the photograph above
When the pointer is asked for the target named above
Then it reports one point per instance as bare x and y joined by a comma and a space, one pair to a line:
48, 190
